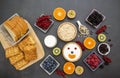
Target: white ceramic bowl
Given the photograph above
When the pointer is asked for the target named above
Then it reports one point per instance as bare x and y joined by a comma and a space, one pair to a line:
108, 46
50, 41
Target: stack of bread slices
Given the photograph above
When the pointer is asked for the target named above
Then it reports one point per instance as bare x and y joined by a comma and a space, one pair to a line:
16, 27
21, 54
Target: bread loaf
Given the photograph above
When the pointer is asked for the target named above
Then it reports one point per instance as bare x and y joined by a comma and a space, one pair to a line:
16, 27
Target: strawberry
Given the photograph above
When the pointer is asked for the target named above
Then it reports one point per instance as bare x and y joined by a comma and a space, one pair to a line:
81, 45
102, 29
106, 59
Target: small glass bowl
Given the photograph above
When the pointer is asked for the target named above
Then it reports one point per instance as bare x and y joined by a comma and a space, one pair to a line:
101, 61
108, 46
49, 64
99, 13
45, 31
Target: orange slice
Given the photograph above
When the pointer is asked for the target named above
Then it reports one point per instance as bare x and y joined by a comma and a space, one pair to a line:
72, 56
89, 43
59, 13
69, 68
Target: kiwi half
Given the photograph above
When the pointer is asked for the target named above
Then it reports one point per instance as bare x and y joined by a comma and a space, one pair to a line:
101, 37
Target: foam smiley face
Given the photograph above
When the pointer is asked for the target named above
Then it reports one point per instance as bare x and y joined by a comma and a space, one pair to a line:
72, 52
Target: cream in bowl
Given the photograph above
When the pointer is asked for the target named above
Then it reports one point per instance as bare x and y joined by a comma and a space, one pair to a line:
50, 41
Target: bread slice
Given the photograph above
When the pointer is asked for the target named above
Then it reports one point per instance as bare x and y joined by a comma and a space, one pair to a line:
30, 52
12, 51
22, 23
26, 42
16, 28
16, 58
9, 27
20, 64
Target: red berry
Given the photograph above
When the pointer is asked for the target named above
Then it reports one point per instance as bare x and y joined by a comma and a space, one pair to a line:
102, 29
44, 22
81, 45
106, 59
93, 60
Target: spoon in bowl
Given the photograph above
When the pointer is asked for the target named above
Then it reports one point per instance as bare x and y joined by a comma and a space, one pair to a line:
83, 29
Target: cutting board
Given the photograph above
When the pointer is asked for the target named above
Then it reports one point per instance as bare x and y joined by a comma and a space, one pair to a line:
40, 50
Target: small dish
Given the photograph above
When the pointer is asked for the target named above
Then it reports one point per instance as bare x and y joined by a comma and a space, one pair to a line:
44, 30
67, 31
49, 64
95, 18
104, 48
7, 35
84, 31
93, 61
50, 41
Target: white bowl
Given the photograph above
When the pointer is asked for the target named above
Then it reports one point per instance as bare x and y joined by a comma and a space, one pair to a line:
108, 46
50, 41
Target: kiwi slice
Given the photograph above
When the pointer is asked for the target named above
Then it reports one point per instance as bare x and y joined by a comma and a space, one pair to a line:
71, 14
56, 51
101, 37
79, 70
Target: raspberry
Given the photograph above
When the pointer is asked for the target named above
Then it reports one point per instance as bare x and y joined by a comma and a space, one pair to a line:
93, 60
